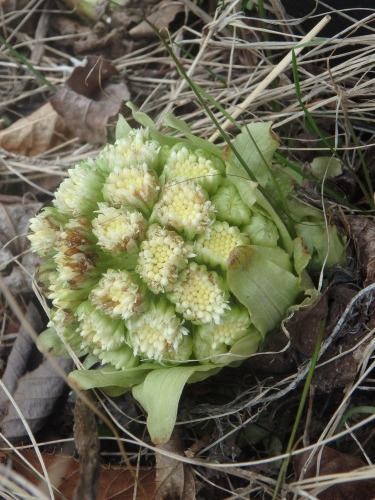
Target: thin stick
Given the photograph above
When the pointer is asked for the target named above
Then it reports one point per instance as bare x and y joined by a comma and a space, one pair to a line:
273, 74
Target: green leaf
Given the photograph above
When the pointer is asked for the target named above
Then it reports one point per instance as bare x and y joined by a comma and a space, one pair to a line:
109, 377
160, 394
256, 144
326, 167
265, 288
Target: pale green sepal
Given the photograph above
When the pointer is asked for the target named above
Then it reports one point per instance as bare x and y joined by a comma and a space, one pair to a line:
266, 289
250, 195
256, 144
122, 128
49, 341
242, 349
326, 167
160, 393
262, 231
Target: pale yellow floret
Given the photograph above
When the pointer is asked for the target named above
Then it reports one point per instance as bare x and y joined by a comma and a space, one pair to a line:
118, 230
185, 207
184, 164
134, 149
163, 254
156, 334
199, 295
117, 295
216, 244
136, 186
222, 239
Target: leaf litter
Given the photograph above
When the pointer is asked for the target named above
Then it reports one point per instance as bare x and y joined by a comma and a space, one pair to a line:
229, 69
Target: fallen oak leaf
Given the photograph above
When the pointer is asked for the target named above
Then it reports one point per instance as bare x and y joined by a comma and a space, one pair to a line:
37, 133
35, 392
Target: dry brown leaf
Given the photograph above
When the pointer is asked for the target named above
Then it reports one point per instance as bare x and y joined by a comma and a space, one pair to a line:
362, 231
115, 483
35, 392
87, 101
36, 133
14, 222
333, 462
163, 14
174, 479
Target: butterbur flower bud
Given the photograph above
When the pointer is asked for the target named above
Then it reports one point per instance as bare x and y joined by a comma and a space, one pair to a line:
121, 358
158, 334
185, 207
215, 246
163, 255
99, 332
135, 149
136, 186
185, 164
45, 228
79, 193
200, 295
118, 229
118, 295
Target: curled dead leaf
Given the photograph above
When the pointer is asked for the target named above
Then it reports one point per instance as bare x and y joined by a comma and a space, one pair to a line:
88, 100
163, 14
174, 479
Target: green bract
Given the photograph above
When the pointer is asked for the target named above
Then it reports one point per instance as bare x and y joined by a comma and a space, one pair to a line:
165, 260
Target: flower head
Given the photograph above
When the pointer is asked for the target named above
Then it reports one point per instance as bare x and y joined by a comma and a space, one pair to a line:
199, 295
215, 246
99, 332
135, 149
136, 186
79, 193
163, 254
45, 228
185, 164
118, 229
158, 334
118, 295
185, 207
